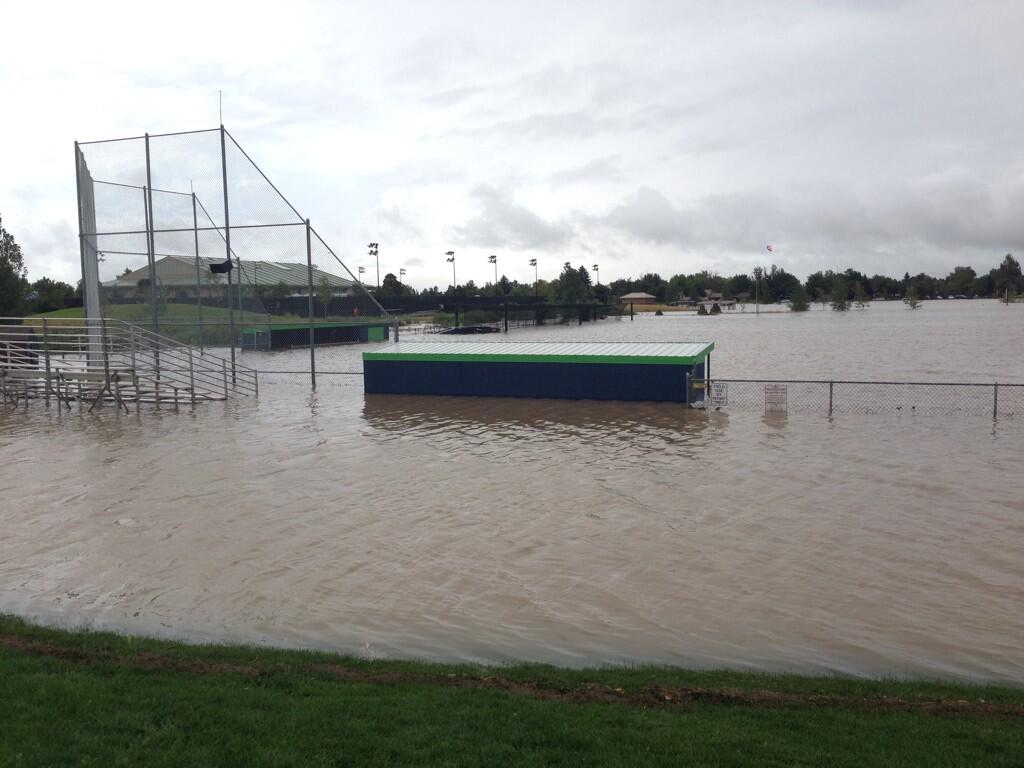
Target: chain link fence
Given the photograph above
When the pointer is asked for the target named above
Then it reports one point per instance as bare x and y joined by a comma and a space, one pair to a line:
184, 235
863, 397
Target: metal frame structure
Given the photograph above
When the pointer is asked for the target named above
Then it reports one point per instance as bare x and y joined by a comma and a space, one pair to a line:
237, 176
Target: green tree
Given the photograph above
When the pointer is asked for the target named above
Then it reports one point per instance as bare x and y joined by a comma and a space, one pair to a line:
840, 294
50, 295
798, 299
570, 288
960, 280
1007, 277
13, 282
860, 296
910, 298
324, 291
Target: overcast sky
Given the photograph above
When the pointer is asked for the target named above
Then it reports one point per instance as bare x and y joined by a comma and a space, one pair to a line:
665, 137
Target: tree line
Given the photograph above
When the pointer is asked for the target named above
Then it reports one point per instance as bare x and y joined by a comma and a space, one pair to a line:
768, 286
575, 285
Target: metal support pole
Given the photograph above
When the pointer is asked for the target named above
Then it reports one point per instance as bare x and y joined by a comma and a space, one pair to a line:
631, 311
687, 399
995, 401
191, 378
46, 357
199, 283
506, 315
151, 245
227, 244
312, 335
579, 313
224, 372
830, 385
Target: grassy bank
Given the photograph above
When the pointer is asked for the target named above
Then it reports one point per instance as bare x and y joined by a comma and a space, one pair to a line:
72, 698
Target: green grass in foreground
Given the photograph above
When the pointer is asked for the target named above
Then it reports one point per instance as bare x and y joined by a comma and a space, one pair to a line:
74, 698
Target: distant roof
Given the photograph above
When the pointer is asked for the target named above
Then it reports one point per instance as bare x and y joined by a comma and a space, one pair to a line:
637, 353
637, 295
180, 271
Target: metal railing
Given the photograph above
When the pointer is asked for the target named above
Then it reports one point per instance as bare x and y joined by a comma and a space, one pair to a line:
845, 396
110, 360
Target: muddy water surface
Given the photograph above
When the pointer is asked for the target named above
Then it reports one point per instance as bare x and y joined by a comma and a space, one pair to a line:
567, 532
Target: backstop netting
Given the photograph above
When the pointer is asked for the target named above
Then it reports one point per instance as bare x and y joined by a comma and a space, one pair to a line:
161, 218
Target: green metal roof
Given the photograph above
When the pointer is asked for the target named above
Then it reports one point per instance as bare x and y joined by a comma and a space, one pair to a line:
615, 352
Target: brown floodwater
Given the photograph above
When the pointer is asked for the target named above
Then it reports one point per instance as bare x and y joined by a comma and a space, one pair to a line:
566, 532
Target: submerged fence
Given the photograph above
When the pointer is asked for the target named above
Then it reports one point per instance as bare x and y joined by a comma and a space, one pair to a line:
867, 397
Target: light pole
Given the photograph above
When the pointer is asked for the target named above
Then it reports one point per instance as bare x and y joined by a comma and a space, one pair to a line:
494, 260
533, 263
451, 258
401, 274
374, 250
597, 270
361, 270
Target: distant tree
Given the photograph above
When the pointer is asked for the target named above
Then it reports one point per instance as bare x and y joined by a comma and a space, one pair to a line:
1007, 277
324, 292
584, 276
778, 284
960, 280
840, 294
50, 295
819, 285
13, 276
910, 298
505, 285
798, 299
570, 288
736, 285
860, 296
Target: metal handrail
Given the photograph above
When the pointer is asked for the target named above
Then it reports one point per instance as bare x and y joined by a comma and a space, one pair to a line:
44, 345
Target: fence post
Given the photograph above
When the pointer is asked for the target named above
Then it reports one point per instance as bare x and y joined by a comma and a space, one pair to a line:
830, 398
995, 401
191, 378
309, 279
227, 245
687, 388
199, 283
46, 357
631, 311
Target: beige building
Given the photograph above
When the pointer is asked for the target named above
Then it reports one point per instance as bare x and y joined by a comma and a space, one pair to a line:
177, 277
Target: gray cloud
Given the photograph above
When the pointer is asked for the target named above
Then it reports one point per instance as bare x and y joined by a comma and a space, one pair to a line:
396, 226
503, 223
601, 169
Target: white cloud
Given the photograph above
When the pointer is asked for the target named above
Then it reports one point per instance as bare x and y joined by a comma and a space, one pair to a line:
883, 136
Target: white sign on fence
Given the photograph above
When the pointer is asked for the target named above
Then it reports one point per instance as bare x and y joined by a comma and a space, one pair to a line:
719, 394
775, 398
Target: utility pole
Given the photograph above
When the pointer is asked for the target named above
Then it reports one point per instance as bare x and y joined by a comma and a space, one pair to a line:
374, 250
597, 270
494, 260
451, 258
533, 263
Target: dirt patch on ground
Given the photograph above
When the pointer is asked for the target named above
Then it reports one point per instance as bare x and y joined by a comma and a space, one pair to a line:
652, 696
